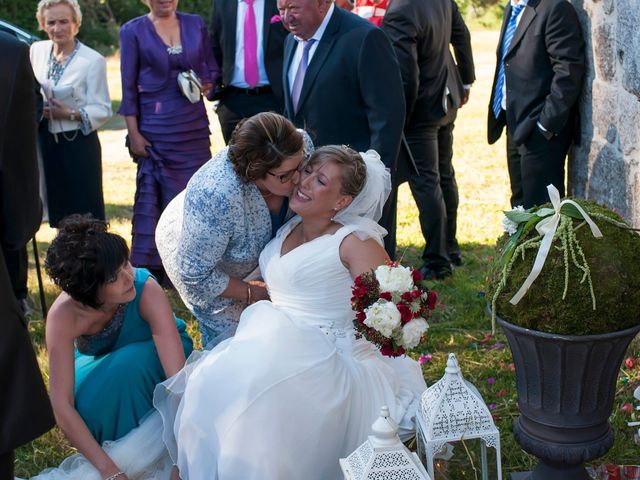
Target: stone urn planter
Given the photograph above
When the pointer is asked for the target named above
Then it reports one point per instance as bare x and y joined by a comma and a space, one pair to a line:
568, 328
566, 387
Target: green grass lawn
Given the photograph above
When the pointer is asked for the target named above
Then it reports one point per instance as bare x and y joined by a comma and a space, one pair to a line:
460, 323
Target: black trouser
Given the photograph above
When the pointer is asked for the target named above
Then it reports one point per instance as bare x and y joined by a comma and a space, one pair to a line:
448, 185
236, 104
535, 164
388, 221
6, 466
17, 265
424, 141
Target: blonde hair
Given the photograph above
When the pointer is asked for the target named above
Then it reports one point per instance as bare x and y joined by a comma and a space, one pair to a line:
354, 170
43, 5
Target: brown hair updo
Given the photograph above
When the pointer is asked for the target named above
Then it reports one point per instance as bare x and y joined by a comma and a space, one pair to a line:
84, 256
261, 143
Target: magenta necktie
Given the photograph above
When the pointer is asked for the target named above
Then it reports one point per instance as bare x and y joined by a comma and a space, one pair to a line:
250, 46
296, 90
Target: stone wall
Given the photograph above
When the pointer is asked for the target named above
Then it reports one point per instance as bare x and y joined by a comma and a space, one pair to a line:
606, 166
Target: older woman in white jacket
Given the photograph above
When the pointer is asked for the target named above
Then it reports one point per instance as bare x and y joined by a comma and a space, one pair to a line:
73, 78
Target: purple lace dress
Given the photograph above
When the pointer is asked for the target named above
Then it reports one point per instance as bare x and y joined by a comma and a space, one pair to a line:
177, 129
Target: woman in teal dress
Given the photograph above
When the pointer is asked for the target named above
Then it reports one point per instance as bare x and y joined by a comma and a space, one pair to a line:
111, 337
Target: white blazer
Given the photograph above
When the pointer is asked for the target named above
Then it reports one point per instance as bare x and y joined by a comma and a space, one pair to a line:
83, 85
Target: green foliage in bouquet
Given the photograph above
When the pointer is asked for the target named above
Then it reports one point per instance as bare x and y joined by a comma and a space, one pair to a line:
587, 286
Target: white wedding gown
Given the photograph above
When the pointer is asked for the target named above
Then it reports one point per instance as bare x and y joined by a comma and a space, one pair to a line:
293, 391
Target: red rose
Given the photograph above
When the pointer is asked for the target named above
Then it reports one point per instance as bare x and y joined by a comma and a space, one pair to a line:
407, 296
360, 291
388, 351
416, 275
360, 316
432, 297
386, 296
406, 315
416, 294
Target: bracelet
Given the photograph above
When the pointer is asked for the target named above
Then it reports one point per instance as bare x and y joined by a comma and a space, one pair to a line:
72, 117
248, 294
114, 476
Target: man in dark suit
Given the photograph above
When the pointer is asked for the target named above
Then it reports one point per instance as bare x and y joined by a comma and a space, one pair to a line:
435, 87
252, 73
351, 89
535, 90
25, 412
342, 84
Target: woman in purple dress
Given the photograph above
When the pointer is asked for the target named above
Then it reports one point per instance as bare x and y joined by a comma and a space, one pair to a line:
168, 135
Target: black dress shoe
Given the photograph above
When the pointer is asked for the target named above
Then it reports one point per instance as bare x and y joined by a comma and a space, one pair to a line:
429, 273
456, 259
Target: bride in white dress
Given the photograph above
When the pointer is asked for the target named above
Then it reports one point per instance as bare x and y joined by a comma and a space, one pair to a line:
294, 390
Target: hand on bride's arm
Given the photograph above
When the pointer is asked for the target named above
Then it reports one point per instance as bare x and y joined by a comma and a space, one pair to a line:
258, 290
247, 292
361, 256
59, 337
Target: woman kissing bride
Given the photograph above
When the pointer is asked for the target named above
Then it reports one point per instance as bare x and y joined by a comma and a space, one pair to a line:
294, 390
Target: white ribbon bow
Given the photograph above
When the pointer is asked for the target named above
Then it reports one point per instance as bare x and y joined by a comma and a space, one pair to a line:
547, 228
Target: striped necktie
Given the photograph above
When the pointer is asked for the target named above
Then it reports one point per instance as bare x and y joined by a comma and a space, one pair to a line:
506, 42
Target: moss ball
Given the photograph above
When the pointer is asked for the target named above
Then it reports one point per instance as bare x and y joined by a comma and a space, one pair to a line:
614, 263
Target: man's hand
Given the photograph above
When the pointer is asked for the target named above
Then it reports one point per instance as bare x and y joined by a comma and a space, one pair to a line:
465, 97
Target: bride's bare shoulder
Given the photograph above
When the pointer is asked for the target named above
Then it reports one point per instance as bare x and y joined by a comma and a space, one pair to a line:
360, 256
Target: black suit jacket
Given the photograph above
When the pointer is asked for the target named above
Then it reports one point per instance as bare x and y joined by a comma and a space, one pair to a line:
352, 90
25, 412
222, 31
544, 68
421, 32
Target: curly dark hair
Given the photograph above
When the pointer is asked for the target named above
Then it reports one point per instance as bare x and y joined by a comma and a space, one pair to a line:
84, 256
354, 170
261, 143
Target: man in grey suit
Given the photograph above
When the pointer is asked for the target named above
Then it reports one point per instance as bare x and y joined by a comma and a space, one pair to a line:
342, 82
25, 411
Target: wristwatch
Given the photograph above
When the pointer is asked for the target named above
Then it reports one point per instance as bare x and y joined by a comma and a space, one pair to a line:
72, 115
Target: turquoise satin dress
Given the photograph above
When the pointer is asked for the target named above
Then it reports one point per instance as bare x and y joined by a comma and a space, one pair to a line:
119, 369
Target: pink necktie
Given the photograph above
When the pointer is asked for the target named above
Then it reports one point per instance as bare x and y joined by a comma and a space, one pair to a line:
250, 46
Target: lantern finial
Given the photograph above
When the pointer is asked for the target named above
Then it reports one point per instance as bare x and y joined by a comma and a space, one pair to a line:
384, 429
452, 365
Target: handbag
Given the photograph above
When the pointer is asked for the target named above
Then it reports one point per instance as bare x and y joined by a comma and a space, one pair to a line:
190, 85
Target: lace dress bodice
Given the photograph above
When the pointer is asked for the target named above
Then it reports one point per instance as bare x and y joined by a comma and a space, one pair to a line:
310, 283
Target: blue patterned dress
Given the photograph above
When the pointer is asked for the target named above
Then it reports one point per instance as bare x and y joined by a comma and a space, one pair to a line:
118, 368
213, 230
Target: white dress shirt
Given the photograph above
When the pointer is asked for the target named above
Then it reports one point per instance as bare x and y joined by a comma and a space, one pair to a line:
317, 36
237, 79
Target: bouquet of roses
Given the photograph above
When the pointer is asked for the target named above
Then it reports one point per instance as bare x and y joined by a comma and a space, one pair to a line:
392, 306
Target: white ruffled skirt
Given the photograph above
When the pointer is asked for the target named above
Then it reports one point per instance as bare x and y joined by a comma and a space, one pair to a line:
281, 400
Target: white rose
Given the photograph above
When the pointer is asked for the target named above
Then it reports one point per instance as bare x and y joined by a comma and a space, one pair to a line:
412, 332
383, 317
509, 225
394, 279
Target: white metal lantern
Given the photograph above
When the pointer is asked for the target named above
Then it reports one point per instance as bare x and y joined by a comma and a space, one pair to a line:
383, 456
452, 410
